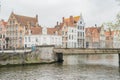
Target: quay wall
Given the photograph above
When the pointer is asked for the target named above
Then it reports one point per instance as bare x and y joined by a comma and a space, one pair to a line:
41, 54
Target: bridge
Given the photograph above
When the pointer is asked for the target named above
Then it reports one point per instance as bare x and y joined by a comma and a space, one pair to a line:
87, 51
84, 51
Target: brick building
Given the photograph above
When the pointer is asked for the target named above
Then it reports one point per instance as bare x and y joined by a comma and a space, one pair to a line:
3, 34
72, 31
92, 37
17, 27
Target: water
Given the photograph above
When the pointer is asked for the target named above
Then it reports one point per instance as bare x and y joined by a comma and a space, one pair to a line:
75, 67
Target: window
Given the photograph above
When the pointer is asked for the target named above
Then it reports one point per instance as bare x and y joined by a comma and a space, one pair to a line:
66, 33
25, 39
69, 36
80, 22
3, 36
36, 39
83, 27
83, 34
72, 30
62, 32
78, 27
0, 36
0, 29
10, 22
72, 37
78, 34
29, 39
13, 21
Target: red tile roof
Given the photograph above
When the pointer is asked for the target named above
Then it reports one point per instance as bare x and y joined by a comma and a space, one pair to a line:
24, 20
109, 33
92, 30
36, 30
52, 31
71, 21
3, 23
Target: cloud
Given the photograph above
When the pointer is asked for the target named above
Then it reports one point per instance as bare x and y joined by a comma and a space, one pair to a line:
51, 11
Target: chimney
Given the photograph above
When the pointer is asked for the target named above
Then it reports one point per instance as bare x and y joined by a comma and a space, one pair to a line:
71, 19
95, 25
36, 17
63, 19
57, 23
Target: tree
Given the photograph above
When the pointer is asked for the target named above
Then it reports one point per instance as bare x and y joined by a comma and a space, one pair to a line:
115, 25
118, 1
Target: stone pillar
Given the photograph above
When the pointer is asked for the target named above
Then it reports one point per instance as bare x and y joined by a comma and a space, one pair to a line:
119, 59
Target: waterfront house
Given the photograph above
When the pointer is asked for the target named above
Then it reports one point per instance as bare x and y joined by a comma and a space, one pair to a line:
116, 39
3, 43
92, 37
72, 31
45, 36
17, 27
102, 37
109, 38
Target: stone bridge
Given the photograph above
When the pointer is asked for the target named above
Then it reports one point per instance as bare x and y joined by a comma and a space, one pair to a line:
84, 51
87, 50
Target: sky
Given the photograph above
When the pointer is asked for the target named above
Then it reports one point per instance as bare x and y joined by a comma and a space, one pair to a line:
51, 11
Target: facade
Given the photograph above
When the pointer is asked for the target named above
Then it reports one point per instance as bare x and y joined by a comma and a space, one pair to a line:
88, 37
47, 36
81, 33
17, 27
102, 37
3, 43
109, 38
73, 32
92, 37
72, 37
116, 39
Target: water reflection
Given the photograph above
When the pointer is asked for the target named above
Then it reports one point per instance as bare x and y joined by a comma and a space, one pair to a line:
105, 59
75, 67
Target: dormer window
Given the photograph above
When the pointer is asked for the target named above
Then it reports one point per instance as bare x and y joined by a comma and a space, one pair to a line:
75, 22
54, 33
80, 22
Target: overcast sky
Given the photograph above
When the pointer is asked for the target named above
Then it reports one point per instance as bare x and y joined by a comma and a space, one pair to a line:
51, 11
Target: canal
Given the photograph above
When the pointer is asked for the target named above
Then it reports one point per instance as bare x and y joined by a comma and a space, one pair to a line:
74, 67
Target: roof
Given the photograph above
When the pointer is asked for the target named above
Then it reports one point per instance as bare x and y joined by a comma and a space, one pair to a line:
92, 30
71, 20
52, 31
24, 20
36, 30
108, 33
2, 22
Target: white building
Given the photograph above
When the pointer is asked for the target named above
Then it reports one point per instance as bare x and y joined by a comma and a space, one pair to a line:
73, 32
81, 33
49, 36
72, 37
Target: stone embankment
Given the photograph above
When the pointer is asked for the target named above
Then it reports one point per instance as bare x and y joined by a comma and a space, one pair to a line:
41, 54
